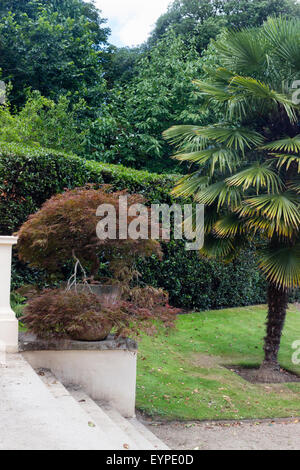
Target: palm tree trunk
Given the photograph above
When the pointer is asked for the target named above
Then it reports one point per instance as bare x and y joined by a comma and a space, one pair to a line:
277, 308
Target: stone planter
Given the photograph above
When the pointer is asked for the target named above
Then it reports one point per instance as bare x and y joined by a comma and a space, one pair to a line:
110, 293
105, 370
98, 333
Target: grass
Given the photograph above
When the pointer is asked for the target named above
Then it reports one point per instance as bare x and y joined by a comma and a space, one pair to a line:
17, 304
181, 376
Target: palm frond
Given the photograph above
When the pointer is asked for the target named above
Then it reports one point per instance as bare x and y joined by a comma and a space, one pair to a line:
283, 36
221, 194
179, 135
190, 185
281, 266
287, 160
217, 92
222, 158
236, 138
294, 184
211, 217
282, 208
288, 144
243, 49
261, 91
220, 248
229, 226
220, 76
258, 224
259, 176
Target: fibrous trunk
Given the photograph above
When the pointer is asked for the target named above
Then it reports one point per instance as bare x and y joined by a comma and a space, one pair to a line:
277, 307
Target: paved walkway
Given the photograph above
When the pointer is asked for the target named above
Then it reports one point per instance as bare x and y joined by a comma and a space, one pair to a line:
256, 435
31, 418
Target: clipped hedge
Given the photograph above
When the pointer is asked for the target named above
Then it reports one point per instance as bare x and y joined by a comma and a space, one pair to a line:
29, 176
198, 283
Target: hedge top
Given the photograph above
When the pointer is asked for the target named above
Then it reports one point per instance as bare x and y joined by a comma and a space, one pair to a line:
29, 160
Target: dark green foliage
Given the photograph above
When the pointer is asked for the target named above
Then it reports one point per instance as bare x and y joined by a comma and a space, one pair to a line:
28, 177
22, 275
121, 65
156, 188
151, 87
60, 49
204, 19
194, 282
54, 47
161, 93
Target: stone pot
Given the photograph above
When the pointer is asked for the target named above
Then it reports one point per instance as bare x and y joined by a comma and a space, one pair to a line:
109, 294
98, 333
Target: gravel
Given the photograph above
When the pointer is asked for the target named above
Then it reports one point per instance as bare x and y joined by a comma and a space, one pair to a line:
280, 434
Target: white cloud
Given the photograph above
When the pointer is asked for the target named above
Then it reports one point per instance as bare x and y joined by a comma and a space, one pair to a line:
131, 21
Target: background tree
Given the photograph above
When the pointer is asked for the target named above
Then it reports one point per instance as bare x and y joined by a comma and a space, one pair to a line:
246, 168
53, 46
122, 64
204, 19
189, 18
46, 123
117, 101
129, 130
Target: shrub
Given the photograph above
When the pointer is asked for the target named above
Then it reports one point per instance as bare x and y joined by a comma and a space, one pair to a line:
194, 282
65, 228
17, 303
30, 176
42, 121
60, 314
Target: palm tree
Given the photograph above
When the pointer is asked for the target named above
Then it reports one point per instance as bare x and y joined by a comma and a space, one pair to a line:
245, 169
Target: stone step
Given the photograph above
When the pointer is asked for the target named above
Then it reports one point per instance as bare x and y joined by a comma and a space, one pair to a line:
127, 425
32, 418
69, 401
118, 429
122, 433
154, 440
117, 436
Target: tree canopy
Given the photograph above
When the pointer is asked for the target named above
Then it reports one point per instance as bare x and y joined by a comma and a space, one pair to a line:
54, 47
204, 19
130, 129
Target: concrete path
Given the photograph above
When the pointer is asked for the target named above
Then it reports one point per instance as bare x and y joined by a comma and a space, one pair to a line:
273, 435
31, 418
37, 412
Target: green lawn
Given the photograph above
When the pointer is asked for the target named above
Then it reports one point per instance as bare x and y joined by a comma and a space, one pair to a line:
181, 376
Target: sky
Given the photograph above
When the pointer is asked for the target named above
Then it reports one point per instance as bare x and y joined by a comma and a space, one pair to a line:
131, 21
